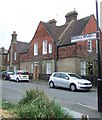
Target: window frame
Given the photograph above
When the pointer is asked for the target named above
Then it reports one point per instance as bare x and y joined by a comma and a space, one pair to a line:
50, 48
15, 55
8, 57
83, 68
44, 50
35, 49
89, 45
48, 68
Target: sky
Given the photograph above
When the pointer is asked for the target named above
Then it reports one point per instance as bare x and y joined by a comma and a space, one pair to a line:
23, 16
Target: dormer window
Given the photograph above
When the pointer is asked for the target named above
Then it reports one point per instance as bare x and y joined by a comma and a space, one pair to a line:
45, 47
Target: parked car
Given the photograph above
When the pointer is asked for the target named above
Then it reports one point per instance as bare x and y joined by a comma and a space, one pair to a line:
19, 75
69, 80
6, 75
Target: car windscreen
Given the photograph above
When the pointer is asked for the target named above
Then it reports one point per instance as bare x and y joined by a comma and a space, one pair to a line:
22, 73
74, 75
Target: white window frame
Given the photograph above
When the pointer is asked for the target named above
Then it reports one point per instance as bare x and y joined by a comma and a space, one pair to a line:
48, 68
8, 68
32, 65
50, 48
15, 68
35, 49
15, 56
89, 45
83, 68
96, 47
45, 47
8, 57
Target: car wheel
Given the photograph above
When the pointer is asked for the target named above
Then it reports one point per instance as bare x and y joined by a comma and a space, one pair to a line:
73, 87
4, 78
51, 84
9, 78
17, 79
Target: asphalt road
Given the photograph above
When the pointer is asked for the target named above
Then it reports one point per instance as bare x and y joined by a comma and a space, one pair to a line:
14, 91
80, 101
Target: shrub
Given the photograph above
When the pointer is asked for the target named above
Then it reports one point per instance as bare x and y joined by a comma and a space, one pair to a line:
35, 104
7, 105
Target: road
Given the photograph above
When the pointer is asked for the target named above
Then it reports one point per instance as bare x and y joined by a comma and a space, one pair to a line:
81, 102
14, 91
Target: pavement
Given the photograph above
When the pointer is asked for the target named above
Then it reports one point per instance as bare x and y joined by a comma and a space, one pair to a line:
79, 111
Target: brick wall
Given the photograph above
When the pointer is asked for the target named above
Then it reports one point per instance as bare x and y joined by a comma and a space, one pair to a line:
39, 37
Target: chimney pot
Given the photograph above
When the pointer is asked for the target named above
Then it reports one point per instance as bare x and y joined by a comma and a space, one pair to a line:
14, 37
71, 16
52, 22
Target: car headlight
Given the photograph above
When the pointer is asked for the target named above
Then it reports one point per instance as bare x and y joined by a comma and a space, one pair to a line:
80, 83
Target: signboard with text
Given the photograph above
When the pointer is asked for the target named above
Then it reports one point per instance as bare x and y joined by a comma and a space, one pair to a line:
91, 36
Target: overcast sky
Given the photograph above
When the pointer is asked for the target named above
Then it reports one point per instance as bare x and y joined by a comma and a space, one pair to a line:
23, 16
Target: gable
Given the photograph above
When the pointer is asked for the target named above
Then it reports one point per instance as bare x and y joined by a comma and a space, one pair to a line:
74, 30
41, 31
90, 26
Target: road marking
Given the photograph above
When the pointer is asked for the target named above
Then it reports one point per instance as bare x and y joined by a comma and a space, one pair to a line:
77, 104
87, 106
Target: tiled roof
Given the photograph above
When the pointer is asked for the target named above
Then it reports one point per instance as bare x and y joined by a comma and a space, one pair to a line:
75, 28
21, 47
54, 31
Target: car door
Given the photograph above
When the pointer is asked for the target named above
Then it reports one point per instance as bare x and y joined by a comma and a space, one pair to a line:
65, 80
56, 78
13, 76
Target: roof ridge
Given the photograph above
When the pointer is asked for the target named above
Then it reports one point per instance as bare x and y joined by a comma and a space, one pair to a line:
64, 32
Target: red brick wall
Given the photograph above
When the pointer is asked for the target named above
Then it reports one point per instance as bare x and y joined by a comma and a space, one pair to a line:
80, 49
66, 51
39, 37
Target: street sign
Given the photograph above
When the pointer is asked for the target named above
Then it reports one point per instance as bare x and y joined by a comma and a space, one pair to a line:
91, 36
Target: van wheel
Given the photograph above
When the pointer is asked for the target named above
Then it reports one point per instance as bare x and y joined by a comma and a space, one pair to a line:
73, 87
51, 84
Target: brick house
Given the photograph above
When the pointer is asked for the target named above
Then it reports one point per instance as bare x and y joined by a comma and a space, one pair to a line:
16, 47
51, 48
3, 53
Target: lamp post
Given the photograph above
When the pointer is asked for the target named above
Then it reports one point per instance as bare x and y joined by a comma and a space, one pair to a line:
99, 91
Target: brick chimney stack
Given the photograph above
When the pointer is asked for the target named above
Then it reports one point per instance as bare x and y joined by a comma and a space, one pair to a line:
2, 50
52, 22
71, 16
14, 37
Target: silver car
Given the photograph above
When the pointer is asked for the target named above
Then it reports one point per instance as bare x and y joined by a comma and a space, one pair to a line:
69, 80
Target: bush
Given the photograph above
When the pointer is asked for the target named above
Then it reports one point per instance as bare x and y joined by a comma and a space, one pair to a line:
35, 104
7, 105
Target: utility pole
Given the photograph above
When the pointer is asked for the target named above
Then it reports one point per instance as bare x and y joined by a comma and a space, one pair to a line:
99, 81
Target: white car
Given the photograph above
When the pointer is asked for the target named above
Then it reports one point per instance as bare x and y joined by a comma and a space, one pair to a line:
69, 80
19, 75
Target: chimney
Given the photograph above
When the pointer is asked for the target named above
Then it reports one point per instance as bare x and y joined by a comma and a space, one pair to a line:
52, 22
2, 49
14, 37
71, 16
